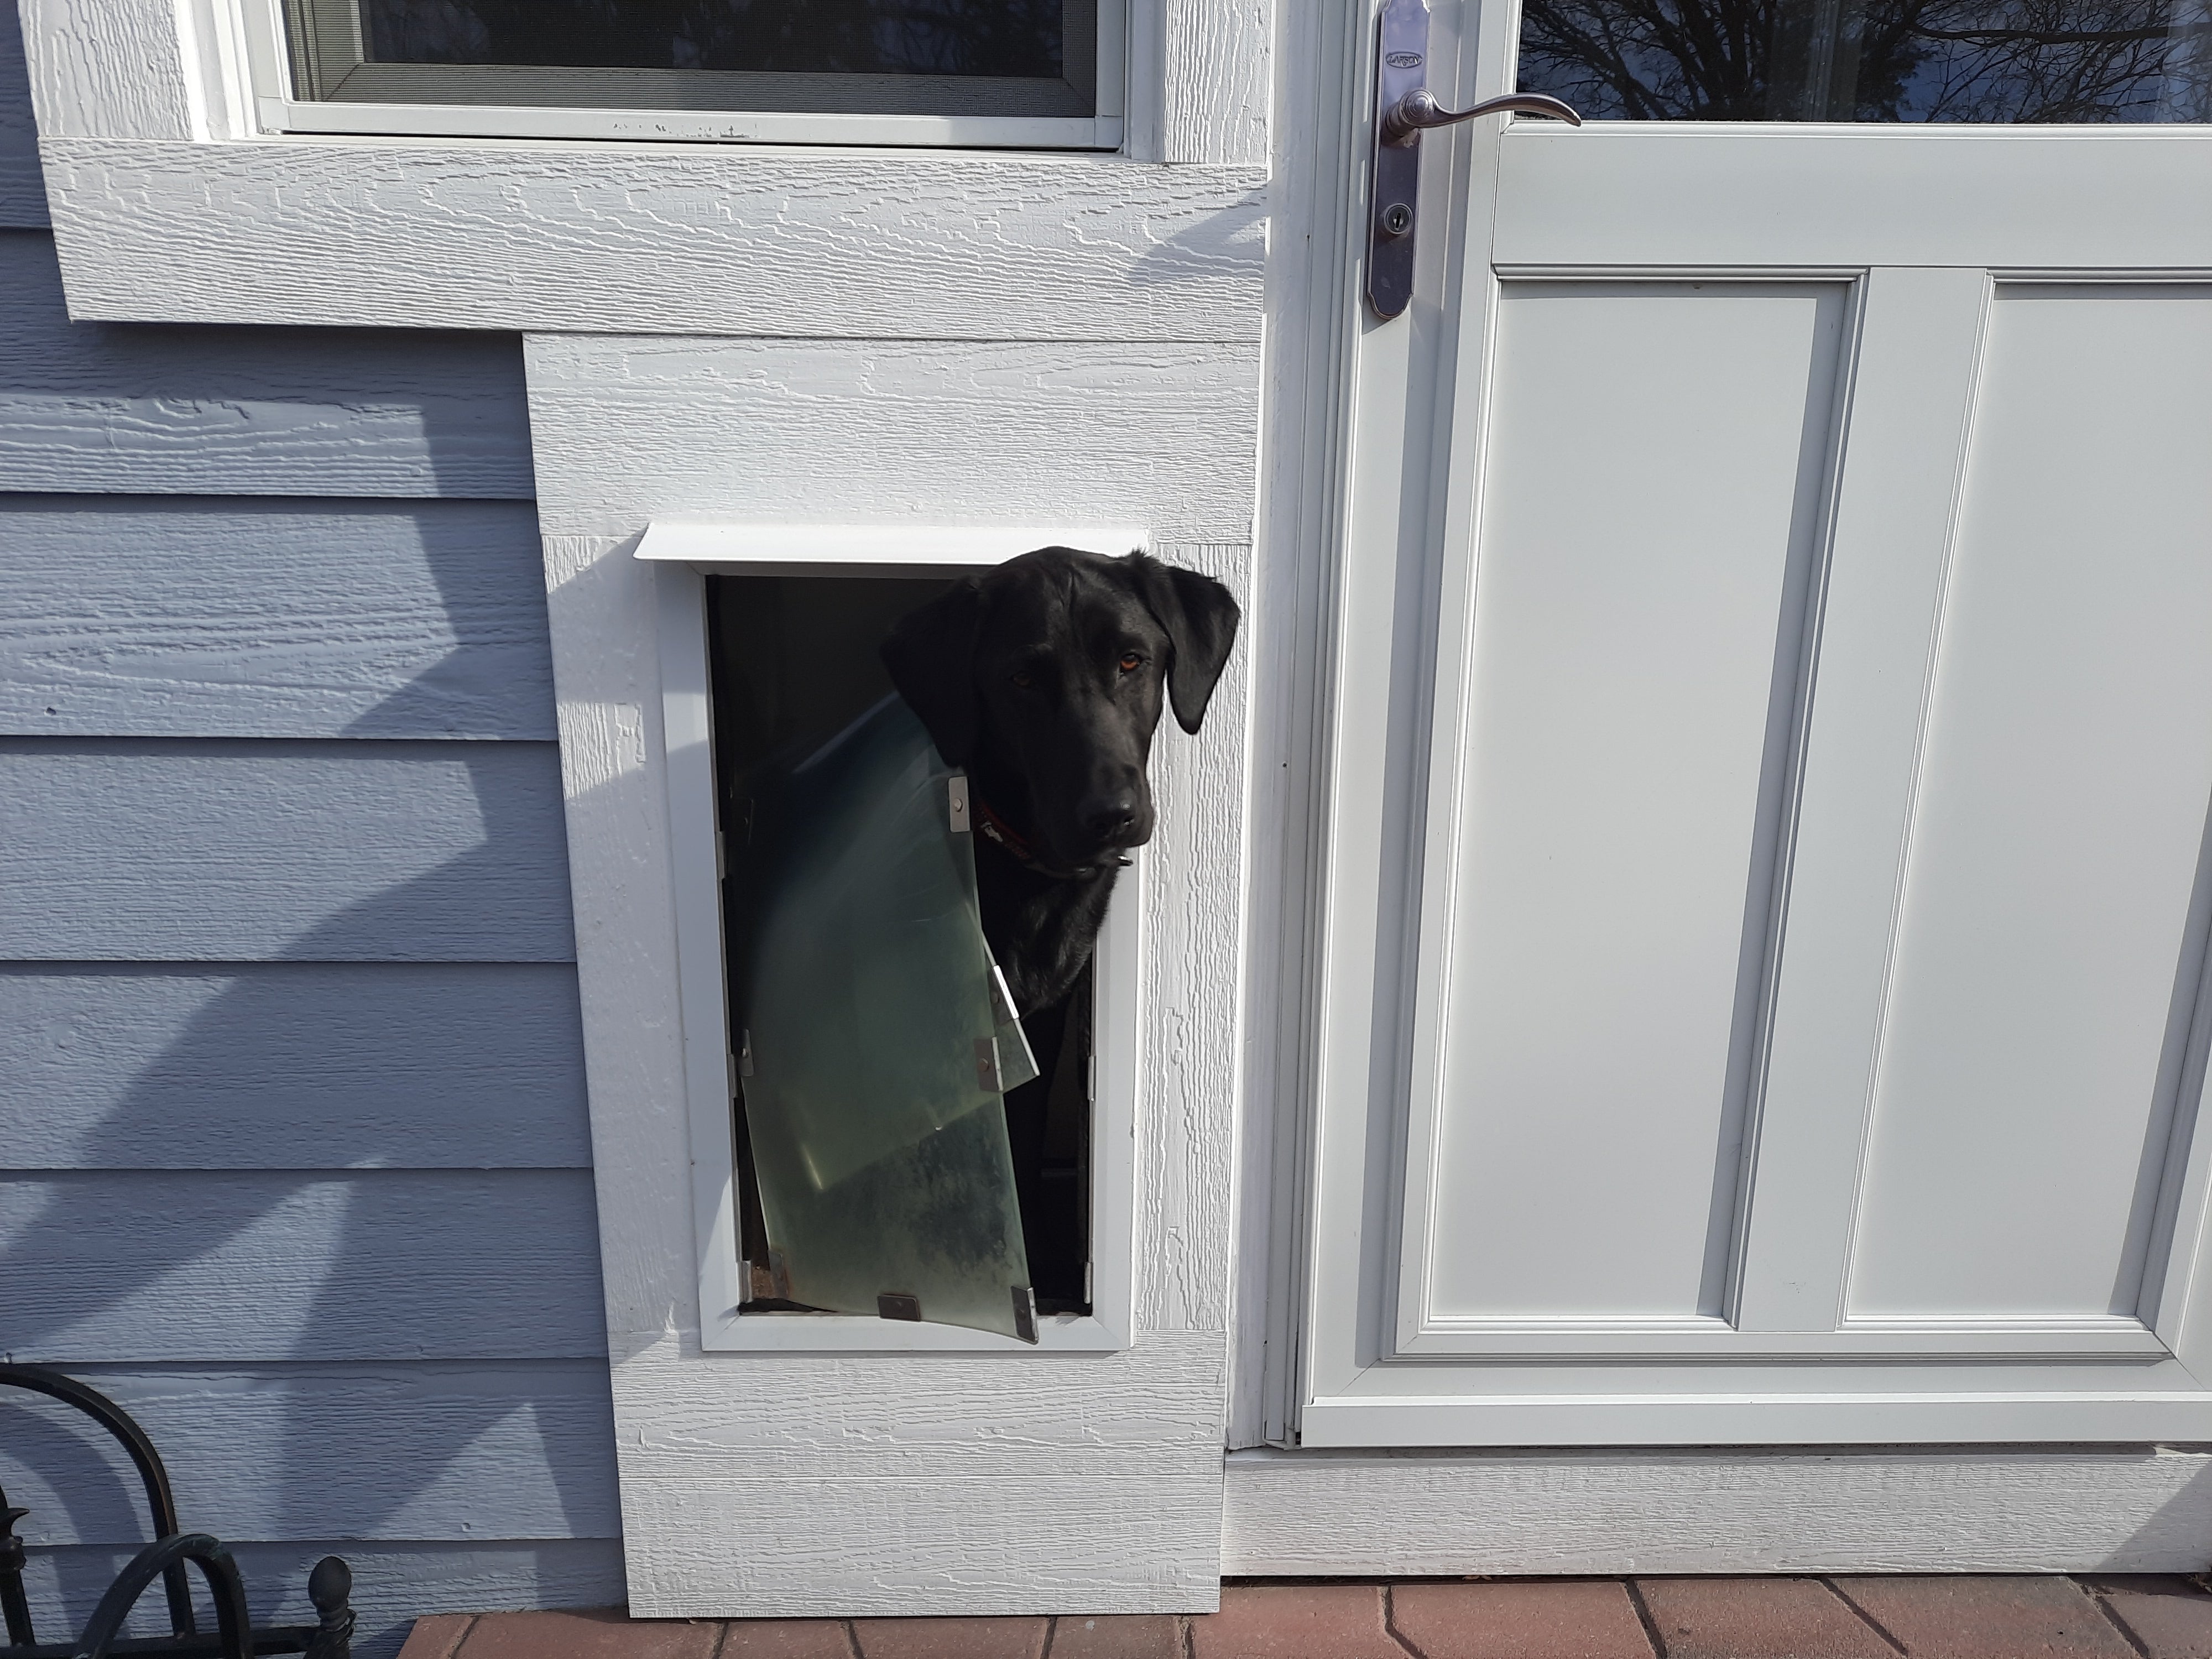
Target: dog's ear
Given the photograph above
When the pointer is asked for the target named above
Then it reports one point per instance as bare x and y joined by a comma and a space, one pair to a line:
931, 654
1201, 619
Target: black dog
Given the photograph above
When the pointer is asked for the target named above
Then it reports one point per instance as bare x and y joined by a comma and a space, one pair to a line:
1044, 680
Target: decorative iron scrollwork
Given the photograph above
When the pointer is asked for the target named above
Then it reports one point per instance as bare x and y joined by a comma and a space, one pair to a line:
235, 1636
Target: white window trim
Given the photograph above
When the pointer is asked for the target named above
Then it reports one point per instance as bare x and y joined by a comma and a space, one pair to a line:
261, 26
685, 552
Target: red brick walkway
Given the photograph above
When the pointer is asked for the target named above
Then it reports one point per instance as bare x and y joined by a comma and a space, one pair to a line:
1870, 1618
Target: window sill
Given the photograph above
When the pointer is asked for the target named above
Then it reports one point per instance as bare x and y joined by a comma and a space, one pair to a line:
1049, 133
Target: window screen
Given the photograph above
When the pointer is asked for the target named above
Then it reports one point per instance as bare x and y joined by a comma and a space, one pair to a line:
941, 57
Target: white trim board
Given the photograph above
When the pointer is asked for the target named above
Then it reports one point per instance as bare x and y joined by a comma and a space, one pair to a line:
801, 1484
261, 29
577, 238
2000, 1508
875, 550
148, 118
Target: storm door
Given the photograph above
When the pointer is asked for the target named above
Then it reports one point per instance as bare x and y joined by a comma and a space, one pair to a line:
1767, 894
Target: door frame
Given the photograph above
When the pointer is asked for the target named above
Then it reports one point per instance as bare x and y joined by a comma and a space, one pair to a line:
1599, 1509
1324, 570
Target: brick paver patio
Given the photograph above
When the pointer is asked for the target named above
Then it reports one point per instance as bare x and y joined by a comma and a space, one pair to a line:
1778, 1618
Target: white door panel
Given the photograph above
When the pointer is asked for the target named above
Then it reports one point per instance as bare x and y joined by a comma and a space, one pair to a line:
1763, 972
1705, 197
2048, 957
1657, 456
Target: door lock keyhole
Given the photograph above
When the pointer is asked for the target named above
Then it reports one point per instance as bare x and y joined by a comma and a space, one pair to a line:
1396, 220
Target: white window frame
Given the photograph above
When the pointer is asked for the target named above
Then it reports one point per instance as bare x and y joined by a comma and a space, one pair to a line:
685, 553
276, 110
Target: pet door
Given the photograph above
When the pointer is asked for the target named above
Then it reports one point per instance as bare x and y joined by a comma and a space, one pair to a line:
876, 1039
906, 1147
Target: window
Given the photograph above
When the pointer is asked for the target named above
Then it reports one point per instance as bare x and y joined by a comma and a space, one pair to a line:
1042, 73
2046, 61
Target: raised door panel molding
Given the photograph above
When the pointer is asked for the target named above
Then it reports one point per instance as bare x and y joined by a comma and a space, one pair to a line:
1993, 766
2044, 1025
695, 239
1645, 194
1620, 680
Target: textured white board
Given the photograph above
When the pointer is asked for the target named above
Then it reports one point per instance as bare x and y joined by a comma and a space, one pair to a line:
2065, 1508
701, 239
2052, 925
1654, 467
895, 1483
791, 431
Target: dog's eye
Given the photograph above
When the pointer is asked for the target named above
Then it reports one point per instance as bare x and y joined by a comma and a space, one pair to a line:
1025, 681
1131, 662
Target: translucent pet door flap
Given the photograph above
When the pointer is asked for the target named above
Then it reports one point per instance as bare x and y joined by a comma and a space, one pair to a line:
879, 1039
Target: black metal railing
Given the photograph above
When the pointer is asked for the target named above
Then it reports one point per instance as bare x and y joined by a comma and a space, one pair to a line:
235, 1636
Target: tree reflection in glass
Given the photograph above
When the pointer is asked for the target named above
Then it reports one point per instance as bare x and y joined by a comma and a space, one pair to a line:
2045, 61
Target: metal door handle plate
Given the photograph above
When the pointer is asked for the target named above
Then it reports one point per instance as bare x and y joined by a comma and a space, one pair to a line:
1404, 109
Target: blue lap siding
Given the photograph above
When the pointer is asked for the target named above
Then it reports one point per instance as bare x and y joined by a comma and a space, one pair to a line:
294, 1157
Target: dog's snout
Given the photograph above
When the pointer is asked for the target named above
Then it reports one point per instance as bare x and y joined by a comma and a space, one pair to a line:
1104, 817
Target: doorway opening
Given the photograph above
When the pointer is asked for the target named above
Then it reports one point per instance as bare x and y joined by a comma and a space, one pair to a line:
796, 676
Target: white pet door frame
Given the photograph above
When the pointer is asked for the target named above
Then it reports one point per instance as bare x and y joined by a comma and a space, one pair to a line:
685, 553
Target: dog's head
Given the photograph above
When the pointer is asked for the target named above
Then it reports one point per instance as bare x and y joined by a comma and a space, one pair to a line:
1044, 679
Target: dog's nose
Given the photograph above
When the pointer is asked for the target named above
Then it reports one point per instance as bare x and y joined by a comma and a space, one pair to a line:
1106, 817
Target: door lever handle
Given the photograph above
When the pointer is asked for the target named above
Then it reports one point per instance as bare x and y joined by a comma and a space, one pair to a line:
1417, 111
1404, 108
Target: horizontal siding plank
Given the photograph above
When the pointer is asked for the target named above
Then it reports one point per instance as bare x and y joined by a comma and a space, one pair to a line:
22, 190
251, 850
125, 1266
393, 1584
293, 1065
127, 616
249, 412
410, 1452
680, 239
